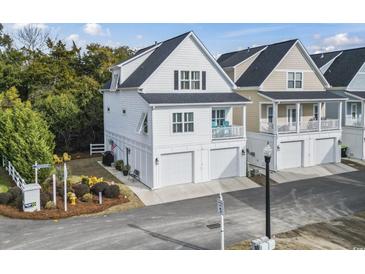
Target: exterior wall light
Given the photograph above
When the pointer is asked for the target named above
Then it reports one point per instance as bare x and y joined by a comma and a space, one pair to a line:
278, 147
339, 142
157, 161
243, 152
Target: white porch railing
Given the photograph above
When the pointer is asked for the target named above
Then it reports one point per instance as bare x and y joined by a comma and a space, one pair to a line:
330, 124
19, 181
96, 148
307, 126
353, 122
227, 132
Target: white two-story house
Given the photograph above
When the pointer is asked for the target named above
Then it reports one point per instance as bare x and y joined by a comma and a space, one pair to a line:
169, 109
345, 71
289, 98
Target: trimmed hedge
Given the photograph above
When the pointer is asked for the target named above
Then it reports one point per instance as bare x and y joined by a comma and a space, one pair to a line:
112, 191
80, 189
99, 187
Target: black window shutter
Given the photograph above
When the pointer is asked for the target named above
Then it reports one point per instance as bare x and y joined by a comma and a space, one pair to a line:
204, 80
176, 80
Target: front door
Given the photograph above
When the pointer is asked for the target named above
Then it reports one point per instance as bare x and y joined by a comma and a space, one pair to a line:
292, 117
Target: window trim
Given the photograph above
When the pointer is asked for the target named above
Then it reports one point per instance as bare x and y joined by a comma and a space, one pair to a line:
356, 111
215, 110
192, 81
294, 80
314, 112
141, 124
267, 113
186, 80
189, 81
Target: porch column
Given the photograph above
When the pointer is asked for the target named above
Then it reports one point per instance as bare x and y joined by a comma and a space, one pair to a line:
244, 120
298, 117
275, 117
340, 115
320, 116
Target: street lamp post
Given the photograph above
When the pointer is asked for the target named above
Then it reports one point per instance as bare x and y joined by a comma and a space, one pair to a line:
267, 155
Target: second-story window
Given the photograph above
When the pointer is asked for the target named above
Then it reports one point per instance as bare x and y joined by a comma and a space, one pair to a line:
183, 122
185, 79
195, 80
295, 80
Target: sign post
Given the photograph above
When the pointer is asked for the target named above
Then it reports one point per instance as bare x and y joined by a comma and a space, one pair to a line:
220, 210
36, 172
65, 185
54, 188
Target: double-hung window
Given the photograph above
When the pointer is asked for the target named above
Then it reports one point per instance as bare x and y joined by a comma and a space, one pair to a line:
195, 80
295, 80
185, 79
315, 112
218, 117
269, 114
354, 111
183, 122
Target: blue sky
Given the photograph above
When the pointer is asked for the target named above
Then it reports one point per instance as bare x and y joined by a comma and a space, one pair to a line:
218, 38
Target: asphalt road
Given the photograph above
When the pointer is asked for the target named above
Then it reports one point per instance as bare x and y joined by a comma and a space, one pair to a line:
183, 225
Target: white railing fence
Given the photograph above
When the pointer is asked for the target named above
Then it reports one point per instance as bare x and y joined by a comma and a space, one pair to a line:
227, 132
309, 125
304, 126
96, 148
19, 181
330, 124
287, 127
265, 126
353, 122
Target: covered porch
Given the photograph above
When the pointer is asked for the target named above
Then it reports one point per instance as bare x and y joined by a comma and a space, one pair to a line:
297, 112
354, 109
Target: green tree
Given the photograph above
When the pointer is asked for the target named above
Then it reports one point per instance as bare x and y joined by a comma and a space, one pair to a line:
24, 135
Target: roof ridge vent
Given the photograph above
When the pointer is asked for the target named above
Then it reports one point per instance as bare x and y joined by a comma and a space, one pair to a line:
248, 49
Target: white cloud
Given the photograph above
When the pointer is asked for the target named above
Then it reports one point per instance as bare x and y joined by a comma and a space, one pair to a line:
139, 36
96, 30
335, 42
18, 26
73, 37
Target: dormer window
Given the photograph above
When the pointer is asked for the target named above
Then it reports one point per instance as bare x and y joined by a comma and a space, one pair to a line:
195, 80
295, 80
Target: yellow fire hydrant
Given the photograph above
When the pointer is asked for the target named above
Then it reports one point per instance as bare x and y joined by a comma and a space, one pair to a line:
73, 199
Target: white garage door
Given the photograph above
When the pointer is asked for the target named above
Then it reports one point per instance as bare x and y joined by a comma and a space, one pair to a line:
290, 155
176, 168
325, 151
223, 163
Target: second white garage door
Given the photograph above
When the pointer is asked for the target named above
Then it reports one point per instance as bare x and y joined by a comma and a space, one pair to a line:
223, 163
290, 155
325, 151
176, 168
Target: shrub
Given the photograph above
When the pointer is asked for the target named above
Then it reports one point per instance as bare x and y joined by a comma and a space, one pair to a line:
112, 191
44, 197
80, 190
85, 180
94, 180
18, 203
5, 198
15, 192
99, 187
88, 198
119, 165
50, 205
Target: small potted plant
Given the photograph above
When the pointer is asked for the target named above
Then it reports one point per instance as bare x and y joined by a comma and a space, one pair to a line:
126, 170
119, 165
344, 151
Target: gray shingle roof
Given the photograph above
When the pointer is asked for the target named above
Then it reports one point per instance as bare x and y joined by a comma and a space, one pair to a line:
302, 95
321, 59
193, 98
153, 61
344, 67
233, 58
268, 59
107, 84
360, 94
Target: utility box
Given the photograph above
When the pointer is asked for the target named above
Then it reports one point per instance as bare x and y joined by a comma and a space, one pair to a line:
263, 243
31, 197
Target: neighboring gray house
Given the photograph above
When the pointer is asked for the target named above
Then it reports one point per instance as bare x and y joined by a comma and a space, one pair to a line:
345, 72
169, 109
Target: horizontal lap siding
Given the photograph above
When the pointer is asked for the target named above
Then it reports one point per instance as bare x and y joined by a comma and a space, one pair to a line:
187, 56
294, 60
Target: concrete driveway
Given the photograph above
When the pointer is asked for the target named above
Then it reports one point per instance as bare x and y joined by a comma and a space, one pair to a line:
183, 224
183, 191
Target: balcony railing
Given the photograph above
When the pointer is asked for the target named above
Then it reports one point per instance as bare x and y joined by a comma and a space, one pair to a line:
305, 126
227, 132
353, 122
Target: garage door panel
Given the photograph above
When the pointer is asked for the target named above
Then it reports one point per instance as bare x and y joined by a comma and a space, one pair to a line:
290, 155
325, 151
176, 168
223, 163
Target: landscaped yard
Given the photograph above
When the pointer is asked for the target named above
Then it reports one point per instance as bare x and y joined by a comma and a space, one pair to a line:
90, 167
5, 181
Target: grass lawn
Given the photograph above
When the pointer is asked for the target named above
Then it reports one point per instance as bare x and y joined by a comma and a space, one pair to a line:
5, 181
90, 167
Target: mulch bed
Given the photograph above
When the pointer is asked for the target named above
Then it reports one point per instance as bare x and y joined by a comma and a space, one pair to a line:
81, 208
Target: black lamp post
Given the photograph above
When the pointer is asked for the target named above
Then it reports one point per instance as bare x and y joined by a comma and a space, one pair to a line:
267, 155
127, 150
